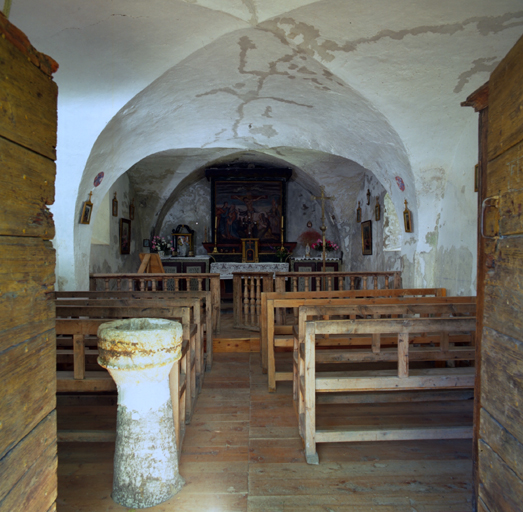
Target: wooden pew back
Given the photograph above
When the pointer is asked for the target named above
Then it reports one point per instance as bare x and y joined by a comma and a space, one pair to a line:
156, 299
80, 318
276, 300
310, 382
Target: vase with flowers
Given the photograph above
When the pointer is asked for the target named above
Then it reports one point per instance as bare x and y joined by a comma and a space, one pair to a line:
329, 246
160, 245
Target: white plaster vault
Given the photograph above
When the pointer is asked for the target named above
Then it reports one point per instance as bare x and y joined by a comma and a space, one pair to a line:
348, 93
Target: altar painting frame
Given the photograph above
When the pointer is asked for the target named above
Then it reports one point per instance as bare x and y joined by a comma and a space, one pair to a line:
248, 209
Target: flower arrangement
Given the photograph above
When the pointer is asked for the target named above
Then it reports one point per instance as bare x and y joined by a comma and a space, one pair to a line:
281, 252
329, 246
159, 243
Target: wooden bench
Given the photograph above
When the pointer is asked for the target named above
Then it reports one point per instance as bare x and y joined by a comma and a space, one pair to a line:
186, 375
206, 315
272, 335
164, 283
310, 382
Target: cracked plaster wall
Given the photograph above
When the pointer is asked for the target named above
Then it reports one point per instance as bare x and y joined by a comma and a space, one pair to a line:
445, 255
414, 63
379, 259
106, 258
180, 108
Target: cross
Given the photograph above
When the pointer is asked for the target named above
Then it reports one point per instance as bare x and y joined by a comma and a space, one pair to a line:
322, 198
90, 194
323, 228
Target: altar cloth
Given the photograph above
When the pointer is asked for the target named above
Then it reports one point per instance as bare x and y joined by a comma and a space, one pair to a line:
225, 269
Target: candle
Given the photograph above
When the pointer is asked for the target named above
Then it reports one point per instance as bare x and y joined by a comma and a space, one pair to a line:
282, 221
215, 222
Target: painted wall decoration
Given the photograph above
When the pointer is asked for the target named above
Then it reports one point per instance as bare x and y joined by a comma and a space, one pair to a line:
98, 179
400, 183
248, 209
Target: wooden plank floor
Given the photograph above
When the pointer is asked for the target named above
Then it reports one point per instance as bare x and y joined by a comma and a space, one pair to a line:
242, 452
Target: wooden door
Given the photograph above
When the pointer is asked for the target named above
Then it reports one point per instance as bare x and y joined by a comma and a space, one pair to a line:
500, 443
27, 262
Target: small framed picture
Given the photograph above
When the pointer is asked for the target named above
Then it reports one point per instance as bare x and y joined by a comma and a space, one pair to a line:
407, 219
377, 210
85, 218
125, 236
115, 206
358, 213
366, 237
146, 242
182, 244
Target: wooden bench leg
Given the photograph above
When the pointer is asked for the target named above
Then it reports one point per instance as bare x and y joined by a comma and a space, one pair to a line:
271, 363
310, 396
174, 385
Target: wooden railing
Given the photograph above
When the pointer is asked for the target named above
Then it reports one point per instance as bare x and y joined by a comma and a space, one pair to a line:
163, 282
248, 287
247, 290
330, 281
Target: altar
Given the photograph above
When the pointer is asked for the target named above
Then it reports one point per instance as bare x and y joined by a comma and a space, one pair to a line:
226, 269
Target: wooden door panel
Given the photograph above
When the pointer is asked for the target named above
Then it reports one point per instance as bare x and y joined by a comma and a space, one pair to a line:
502, 442
500, 488
502, 381
506, 104
500, 445
503, 285
505, 184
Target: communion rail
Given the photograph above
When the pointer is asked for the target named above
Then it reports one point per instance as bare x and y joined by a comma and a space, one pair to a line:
248, 287
183, 283
247, 290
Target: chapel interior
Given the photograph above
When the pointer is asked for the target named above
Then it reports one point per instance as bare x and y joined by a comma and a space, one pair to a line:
326, 196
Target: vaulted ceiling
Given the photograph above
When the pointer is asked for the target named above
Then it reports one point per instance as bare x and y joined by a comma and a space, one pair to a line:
376, 84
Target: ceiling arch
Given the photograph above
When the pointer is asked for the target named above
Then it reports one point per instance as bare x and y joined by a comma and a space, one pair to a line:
257, 93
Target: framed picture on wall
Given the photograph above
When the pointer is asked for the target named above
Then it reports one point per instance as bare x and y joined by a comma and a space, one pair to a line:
125, 236
115, 206
182, 243
377, 210
407, 219
85, 218
366, 237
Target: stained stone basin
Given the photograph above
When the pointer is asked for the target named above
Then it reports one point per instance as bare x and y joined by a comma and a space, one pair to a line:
139, 354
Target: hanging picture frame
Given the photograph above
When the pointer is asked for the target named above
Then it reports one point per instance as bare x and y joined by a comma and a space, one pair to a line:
131, 210
358, 213
115, 206
407, 219
377, 209
125, 236
366, 237
87, 209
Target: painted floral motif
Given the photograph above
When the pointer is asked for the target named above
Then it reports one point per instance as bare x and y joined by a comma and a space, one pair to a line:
400, 183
